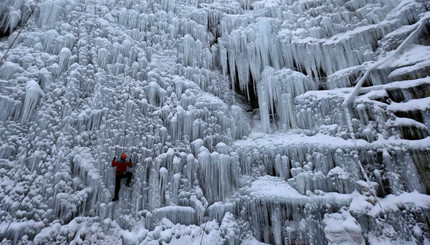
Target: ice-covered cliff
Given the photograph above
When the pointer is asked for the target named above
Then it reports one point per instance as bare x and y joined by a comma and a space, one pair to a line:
274, 121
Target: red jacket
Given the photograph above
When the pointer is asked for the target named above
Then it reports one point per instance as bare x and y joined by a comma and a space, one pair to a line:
121, 166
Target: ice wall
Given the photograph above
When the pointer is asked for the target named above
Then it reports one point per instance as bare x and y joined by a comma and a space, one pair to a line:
231, 112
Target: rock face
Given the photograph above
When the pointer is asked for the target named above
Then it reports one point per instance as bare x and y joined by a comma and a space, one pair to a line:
286, 122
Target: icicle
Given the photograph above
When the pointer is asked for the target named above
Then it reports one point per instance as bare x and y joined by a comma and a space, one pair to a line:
190, 169
216, 211
103, 57
32, 94
9, 69
230, 229
13, 19
176, 214
198, 207
152, 92
49, 12
64, 56
264, 108
176, 163
69, 40
169, 156
215, 174
163, 185
176, 179
410, 173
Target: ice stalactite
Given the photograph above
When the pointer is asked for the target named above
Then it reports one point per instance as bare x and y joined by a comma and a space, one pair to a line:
12, 109
192, 49
64, 57
395, 186
13, 19
177, 214
282, 166
276, 91
50, 12
167, 5
313, 110
264, 108
175, 186
230, 229
190, 169
103, 57
33, 92
11, 14
154, 185
216, 174
8, 69
163, 186
412, 182
153, 92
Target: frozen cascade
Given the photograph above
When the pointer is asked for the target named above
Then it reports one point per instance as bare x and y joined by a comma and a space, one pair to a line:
231, 112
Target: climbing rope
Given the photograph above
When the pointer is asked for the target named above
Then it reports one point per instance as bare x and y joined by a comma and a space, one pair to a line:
203, 233
16, 37
125, 118
125, 136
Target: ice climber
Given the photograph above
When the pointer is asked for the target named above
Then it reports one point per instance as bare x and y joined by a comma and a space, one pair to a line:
121, 172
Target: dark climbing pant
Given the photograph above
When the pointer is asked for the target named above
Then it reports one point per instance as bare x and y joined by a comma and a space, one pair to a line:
118, 179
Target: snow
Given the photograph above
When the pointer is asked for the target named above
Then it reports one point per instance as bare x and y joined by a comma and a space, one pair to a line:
342, 228
416, 104
283, 139
415, 54
407, 122
411, 60
393, 202
273, 188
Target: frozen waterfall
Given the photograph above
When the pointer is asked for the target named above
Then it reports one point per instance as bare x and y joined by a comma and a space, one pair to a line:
247, 121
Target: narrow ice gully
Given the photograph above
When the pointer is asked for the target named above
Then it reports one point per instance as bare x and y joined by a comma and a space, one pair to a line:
249, 122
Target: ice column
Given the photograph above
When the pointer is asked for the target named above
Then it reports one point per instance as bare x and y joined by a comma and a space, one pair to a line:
32, 95
163, 185
215, 174
276, 92
64, 56
12, 21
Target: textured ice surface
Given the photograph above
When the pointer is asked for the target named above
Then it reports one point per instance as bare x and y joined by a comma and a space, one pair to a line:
234, 114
